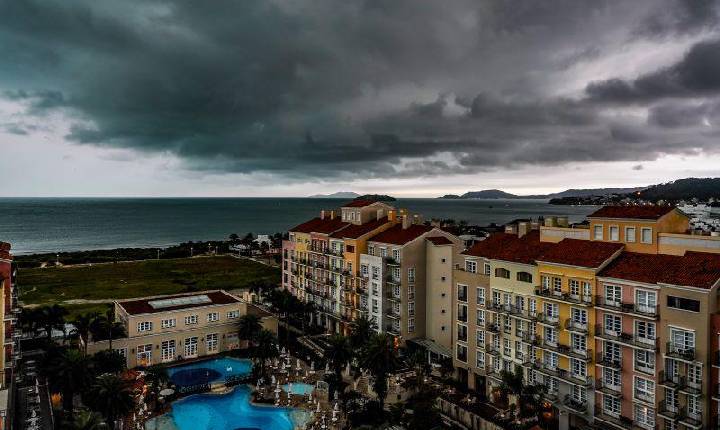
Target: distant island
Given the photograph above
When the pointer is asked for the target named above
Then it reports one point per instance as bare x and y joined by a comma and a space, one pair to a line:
499, 194
338, 195
376, 197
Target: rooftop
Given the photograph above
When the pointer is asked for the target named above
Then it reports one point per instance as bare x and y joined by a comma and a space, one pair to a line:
5, 251
440, 240
694, 269
149, 305
510, 247
650, 212
319, 225
582, 253
354, 231
361, 203
397, 235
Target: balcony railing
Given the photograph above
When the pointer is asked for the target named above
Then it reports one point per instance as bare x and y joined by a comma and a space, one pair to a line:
564, 296
610, 389
679, 351
576, 326
607, 360
575, 405
627, 338
551, 320
390, 261
643, 397
618, 305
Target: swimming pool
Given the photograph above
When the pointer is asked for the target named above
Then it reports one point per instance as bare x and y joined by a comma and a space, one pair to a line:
208, 371
228, 412
299, 388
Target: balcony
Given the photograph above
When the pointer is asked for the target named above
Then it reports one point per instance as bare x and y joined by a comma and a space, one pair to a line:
627, 339
690, 420
575, 405
530, 338
619, 421
393, 330
492, 327
390, 279
668, 410
609, 389
643, 397
393, 313
565, 297
581, 380
576, 326
548, 320
390, 261
605, 360
646, 311
679, 352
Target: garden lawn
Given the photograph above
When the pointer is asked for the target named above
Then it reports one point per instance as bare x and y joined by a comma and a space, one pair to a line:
141, 278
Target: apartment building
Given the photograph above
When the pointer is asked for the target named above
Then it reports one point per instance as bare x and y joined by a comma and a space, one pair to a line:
620, 317
162, 329
8, 313
407, 276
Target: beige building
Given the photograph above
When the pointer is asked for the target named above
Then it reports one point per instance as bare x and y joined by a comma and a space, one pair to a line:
163, 329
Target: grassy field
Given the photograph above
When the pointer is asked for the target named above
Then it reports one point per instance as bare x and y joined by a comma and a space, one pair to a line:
135, 279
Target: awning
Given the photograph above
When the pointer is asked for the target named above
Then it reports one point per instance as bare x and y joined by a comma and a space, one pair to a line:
432, 346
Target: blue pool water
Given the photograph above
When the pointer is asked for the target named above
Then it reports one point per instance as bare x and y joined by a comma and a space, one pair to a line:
208, 371
232, 411
299, 389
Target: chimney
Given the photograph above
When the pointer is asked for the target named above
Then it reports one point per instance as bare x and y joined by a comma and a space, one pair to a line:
523, 228
332, 214
405, 222
322, 214
391, 215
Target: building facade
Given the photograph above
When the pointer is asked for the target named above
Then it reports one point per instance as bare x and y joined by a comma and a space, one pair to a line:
163, 329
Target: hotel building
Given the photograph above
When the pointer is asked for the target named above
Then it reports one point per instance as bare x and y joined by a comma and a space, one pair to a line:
617, 317
9, 312
375, 261
163, 329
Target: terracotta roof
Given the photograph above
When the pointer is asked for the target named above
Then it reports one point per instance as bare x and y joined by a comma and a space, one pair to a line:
5, 251
632, 212
583, 253
440, 240
694, 269
354, 231
317, 225
359, 203
510, 247
396, 235
142, 306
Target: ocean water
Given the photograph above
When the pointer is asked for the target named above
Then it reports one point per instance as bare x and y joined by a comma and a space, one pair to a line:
69, 224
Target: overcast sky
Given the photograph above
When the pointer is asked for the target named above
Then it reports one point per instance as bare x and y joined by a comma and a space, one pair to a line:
407, 97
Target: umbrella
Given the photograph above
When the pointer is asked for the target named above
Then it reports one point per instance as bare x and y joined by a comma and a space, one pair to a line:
167, 392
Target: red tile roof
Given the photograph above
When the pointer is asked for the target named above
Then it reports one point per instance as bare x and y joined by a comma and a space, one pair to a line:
582, 253
396, 235
142, 306
317, 225
440, 240
5, 251
694, 269
359, 203
354, 231
510, 247
651, 212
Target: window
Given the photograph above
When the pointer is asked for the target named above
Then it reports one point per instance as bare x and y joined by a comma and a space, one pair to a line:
480, 360
644, 389
462, 333
470, 266
480, 338
396, 255
462, 313
612, 353
167, 350
462, 292
411, 309
375, 272
681, 340
557, 285
375, 305
695, 375
645, 331
191, 346
502, 273
598, 232
411, 274
644, 360
191, 319
614, 233
645, 301
233, 314
579, 316
574, 287
122, 351
611, 377
611, 405
613, 325
383, 252
578, 342
461, 353
545, 281
364, 270
613, 295
550, 336
644, 416
411, 292
480, 317
371, 250
480, 296
213, 317
683, 303
629, 234
578, 368
144, 355
168, 323
646, 235
524, 277
144, 326
486, 269
212, 342
551, 311
694, 407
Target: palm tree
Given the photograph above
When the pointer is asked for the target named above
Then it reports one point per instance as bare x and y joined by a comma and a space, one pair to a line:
70, 373
339, 354
158, 377
528, 398
419, 362
265, 349
82, 325
380, 358
360, 332
52, 317
249, 326
112, 397
87, 420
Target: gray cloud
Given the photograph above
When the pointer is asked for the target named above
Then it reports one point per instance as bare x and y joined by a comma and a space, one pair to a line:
354, 89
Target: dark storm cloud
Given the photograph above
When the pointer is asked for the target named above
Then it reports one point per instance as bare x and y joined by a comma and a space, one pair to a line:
353, 89
679, 17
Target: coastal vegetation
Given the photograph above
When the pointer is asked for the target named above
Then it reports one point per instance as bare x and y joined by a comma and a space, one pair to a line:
78, 284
